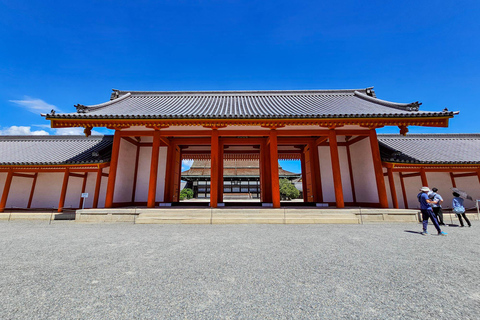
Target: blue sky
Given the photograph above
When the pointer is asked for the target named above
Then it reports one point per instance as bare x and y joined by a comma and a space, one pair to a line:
55, 54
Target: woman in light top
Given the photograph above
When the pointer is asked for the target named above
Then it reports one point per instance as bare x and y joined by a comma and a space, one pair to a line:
459, 209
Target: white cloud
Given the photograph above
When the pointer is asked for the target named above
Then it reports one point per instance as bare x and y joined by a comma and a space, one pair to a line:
186, 164
35, 105
21, 131
74, 131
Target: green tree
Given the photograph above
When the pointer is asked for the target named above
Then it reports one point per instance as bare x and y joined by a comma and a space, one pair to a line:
186, 193
288, 190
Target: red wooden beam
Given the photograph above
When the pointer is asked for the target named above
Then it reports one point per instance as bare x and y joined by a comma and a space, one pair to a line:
393, 192
32, 190
135, 173
98, 183
113, 169
337, 176
215, 163
274, 169
377, 164
350, 170
63, 193
152, 185
404, 193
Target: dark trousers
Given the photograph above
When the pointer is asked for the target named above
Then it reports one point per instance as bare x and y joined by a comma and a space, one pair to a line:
464, 217
428, 213
439, 213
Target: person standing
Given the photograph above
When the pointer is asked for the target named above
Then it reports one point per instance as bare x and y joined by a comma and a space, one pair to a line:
459, 209
437, 205
427, 212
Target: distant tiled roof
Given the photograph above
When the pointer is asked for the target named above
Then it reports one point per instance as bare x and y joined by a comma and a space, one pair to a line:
54, 150
430, 148
241, 168
310, 104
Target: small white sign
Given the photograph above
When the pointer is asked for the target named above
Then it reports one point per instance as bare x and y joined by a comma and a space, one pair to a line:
84, 195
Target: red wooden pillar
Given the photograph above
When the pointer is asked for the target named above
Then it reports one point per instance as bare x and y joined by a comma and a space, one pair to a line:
135, 174
63, 193
452, 177
337, 176
214, 156
261, 166
98, 183
304, 176
377, 165
220, 172
113, 170
275, 180
152, 184
316, 176
6, 190
267, 195
478, 175
423, 175
391, 182
32, 190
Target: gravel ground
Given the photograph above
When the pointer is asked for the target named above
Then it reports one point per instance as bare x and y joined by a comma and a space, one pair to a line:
68, 270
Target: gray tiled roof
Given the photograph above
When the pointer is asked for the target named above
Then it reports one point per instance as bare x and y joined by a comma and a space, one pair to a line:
430, 148
312, 104
54, 150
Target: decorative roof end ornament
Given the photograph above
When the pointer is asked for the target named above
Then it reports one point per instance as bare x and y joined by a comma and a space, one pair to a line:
81, 108
52, 112
115, 94
414, 106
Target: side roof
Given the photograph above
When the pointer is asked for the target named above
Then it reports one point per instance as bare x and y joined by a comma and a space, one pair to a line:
430, 148
54, 150
311, 104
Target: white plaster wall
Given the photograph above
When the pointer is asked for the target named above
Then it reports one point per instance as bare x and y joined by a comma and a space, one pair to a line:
412, 189
328, 189
363, 172
162, 166
74, 191
90, 189
3, 178
47, 190
387, 187
103, 189
398, 190
345, 172
469, 185
19, 192
143, 175
125, 172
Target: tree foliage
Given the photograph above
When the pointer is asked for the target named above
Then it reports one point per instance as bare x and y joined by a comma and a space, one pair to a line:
186, 193
288, 190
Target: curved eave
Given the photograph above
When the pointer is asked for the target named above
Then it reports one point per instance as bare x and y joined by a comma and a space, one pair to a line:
399, 163
435, 120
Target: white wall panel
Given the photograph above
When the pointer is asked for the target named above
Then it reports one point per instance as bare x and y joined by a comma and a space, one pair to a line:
143, 175
345, 173
19, 192
3, 178
47, 190
162, 165
364, 172
125, 172
74, 191
328, 189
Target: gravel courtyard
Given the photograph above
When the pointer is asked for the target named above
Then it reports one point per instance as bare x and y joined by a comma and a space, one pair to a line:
68, 270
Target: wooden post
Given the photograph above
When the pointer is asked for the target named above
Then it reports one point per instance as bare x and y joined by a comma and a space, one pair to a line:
84, 185
275, 180
261, 166
214, 161
152, 185
6, 190
32, 190
98, 183
169, 172
220, 172
404, 192
304, 176
63, 193
423, 175
377, 165
268, 174
393, 192
337, 176
316, 175
113, 170
452, 177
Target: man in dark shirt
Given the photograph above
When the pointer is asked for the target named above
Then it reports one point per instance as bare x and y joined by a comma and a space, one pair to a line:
427, 211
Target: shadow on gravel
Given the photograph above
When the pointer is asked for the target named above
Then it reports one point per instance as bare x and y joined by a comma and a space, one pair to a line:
415, 232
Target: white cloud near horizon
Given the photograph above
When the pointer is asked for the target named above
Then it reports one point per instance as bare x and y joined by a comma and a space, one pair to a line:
22, 131
27, 131
35, 105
